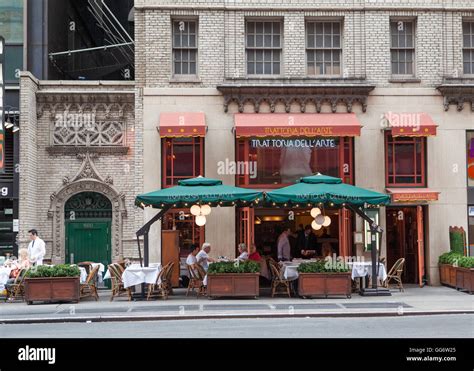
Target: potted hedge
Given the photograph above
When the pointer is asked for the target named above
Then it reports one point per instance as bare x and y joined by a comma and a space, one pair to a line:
447, 268
465, 274
233, 279
59, 283
321, 278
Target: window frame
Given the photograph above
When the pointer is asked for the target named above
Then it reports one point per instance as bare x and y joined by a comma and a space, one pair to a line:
164, 154
175, 49
389, 140
263, 48
470, 49
340, 21
413, 21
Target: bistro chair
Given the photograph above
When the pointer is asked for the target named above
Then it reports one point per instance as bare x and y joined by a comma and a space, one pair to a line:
17, 288
158, 289
89, 288
196, 280
166, 280
86, 265
395, 274
116, 272
278, 280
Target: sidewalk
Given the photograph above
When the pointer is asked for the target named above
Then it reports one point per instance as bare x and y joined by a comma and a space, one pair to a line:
414, 301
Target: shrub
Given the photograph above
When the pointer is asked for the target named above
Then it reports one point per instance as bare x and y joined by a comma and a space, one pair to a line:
466, 262
321, 266
248, 266
60, 270
449, 258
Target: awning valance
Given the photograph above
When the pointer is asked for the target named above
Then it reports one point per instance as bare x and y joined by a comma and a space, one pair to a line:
412, 194
182, 124
296, 124
410, 124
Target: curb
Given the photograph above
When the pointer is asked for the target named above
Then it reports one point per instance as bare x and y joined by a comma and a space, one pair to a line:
141, 318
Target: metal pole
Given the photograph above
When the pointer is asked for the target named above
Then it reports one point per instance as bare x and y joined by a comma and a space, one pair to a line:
145, 249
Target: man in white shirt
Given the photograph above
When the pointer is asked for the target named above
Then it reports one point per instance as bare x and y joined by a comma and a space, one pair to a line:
36, 248
203, 258
284, 247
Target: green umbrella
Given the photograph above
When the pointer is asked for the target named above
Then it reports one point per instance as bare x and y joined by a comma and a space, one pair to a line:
199, 190
325, 189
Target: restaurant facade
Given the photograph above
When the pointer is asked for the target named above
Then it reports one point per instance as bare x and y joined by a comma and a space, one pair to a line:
259, 96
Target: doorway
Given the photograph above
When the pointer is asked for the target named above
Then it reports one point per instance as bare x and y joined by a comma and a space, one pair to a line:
405, 239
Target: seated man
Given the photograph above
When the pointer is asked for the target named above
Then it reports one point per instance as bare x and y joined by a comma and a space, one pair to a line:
254, 255
243, 254
191, 260
203, 258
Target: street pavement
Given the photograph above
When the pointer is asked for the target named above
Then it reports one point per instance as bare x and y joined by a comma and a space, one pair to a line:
413, 301
431, 326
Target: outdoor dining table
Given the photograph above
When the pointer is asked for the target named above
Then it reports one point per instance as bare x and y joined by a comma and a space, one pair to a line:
363, 269
135, 274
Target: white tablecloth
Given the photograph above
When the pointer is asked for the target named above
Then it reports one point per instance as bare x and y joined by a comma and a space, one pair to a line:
4, 276
136, 275
362, 269
290, 270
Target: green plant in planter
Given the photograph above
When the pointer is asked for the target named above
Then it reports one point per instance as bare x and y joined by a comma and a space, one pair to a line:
60, 270
321, 266
248, 266
450, 258
466, 262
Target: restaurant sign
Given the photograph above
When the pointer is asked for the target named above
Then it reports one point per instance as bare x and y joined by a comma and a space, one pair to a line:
414, 196
293, 143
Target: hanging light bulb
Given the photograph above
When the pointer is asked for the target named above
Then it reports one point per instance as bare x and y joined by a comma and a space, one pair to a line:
327, 221
319, 219
315, 211
195, 210
200, 220
315, 225
205, 210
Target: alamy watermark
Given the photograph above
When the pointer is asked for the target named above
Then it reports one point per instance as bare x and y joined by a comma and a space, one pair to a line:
75, 120
403, 120
229, 167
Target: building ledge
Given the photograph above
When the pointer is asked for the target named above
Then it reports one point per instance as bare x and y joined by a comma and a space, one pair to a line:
73, 150
457, 91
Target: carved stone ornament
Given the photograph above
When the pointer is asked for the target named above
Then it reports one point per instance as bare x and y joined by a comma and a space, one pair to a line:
457, 93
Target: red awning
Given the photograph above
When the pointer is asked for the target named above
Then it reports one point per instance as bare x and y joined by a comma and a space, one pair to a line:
182, 124
410, 124
296, 124
412, 194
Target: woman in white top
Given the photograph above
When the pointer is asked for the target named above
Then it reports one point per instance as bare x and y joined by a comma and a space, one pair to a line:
243, 254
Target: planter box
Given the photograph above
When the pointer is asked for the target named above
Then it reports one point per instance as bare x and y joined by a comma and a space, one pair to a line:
465, 279
324, 284
447, 275
51, 289
233, 284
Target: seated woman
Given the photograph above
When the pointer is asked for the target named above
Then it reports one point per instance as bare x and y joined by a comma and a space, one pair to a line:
23, 262
253, 253
243, 254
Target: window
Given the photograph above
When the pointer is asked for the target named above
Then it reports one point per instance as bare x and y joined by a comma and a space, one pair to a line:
402, 47
263, 47
189, 232
11, 21
184, 47
468, 47
13, 62
323, 48
470, 159
274, 162
182, 159
405, 161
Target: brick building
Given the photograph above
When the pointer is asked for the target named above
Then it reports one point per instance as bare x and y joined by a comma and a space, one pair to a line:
389, 86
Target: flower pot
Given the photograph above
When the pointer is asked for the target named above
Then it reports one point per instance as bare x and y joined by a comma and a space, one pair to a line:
233, 284
324, 284
447, 275
52, 289
465, 279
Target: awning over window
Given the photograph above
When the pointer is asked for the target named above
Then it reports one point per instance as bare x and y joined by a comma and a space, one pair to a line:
296, 124
412, 194
182, 124
410, 124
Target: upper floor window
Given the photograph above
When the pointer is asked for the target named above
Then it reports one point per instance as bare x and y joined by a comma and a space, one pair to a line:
405, 161
263, 47
185, 48
468, 47
323, 48
183, 158
402, 47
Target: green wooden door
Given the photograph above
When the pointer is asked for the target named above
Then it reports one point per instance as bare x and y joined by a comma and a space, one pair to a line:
88, 241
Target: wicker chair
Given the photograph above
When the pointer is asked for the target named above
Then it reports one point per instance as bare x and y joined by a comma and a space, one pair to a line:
116, 271
159, 288
196, 280
395, 274
278, 280
17, 288
166, 280
89, 288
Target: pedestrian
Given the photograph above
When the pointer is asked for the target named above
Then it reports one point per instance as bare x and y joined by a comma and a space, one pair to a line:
36, 248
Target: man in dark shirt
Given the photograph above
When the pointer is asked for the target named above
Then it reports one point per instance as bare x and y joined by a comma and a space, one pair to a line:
306, 242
